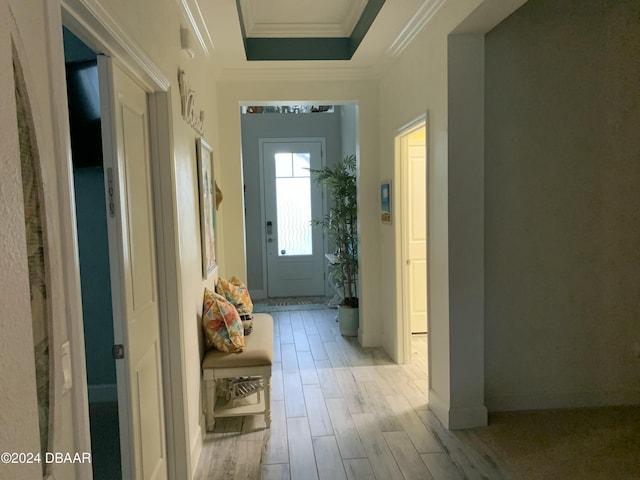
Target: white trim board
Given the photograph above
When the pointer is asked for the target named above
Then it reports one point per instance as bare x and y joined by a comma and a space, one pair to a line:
453, 418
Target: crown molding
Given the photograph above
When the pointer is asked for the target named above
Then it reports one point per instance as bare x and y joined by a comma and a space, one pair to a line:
282, 74
295, 30
414, 26
246, 14
193, 13
256, 29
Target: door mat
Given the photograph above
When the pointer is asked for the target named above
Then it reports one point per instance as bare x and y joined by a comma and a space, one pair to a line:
268, 305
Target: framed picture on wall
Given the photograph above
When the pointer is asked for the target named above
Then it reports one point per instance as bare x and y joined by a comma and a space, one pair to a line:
385, 201
207, 206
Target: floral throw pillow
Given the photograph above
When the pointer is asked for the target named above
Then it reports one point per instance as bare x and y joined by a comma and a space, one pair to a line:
244, 293
238, 295
221, 323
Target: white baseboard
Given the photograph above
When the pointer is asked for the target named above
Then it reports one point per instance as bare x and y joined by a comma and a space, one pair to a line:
457, 417
103, 393
468, 417
197, 443
555, 400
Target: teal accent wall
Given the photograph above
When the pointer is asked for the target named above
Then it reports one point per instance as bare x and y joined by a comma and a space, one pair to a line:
91, 215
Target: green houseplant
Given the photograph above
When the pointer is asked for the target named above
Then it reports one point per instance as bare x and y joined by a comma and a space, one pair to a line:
341, 222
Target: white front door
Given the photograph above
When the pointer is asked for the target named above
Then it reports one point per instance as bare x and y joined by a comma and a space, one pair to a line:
295, 248
415, 228
133, 273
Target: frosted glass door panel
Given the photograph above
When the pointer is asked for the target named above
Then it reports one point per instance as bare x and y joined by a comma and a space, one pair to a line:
293, 199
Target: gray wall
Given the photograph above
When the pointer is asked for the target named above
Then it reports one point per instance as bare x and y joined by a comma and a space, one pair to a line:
562, 223
269, 125
349, 119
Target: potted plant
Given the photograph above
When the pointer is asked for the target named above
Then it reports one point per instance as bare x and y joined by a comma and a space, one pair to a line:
341, 223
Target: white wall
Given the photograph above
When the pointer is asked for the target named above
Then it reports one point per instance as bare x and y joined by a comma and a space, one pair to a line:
418, 83
562, 202
158, 36
19, 412
230, 96
466, 226
23, 23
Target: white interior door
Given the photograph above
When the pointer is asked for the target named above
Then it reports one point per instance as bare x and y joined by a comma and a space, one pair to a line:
295, 248
133, 273
415, 228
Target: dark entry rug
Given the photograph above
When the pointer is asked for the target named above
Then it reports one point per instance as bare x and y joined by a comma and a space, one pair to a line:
282, 304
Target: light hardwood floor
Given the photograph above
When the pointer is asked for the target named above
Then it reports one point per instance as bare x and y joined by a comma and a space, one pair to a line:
340, 412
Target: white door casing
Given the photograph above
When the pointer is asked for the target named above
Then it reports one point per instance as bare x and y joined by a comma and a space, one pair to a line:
295, 263
125, 130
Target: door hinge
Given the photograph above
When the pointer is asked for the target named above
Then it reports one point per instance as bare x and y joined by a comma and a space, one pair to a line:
118, 351
112, 208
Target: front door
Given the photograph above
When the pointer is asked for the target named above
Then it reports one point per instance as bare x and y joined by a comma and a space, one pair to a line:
132, 255
295, 248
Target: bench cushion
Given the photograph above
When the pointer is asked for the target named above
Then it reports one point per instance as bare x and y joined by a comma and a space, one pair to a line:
258, 348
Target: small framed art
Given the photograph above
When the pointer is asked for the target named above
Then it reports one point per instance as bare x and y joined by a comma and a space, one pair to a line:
385, 201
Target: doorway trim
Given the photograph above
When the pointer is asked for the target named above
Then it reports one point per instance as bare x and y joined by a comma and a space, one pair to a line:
93, 25
403, 326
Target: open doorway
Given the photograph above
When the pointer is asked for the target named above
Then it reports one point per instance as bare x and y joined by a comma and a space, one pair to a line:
330, 128
93, 249
411, 168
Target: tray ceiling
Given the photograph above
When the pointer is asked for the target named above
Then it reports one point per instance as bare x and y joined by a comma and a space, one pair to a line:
323, 36
302, 18
305, 29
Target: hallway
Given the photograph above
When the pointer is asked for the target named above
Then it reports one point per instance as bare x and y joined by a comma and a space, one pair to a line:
340, 411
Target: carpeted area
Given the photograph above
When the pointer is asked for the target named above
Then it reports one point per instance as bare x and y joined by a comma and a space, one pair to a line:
282, 304
105, 441
581, 444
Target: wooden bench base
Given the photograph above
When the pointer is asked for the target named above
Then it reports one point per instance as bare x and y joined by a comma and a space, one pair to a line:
254, 361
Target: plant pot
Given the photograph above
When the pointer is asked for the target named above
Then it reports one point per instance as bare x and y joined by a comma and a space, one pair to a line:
348, 320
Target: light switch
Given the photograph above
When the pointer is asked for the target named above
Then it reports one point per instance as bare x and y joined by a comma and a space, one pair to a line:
66, 367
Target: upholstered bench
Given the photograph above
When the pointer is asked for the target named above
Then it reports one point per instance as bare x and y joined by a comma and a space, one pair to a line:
254, 361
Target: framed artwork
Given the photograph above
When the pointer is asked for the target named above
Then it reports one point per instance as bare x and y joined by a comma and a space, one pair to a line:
385, 201
207, 206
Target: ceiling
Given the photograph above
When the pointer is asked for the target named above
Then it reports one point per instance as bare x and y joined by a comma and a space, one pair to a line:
302, 18
328, 39
306, 30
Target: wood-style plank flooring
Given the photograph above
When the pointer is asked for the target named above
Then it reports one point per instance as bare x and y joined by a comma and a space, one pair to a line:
340, 412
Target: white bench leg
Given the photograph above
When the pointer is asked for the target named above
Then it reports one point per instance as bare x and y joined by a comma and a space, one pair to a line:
267, 401
210, 387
